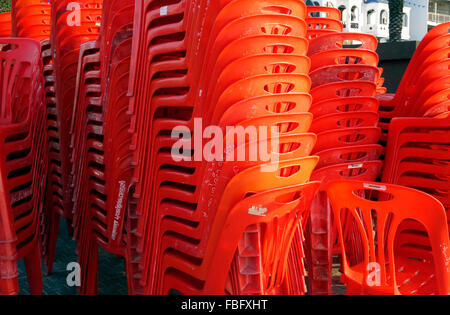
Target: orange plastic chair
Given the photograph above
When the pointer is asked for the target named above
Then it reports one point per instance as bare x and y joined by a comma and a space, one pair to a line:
322, 21
334, 42
343, 89
344, 104
377, 211
326, 12
343, 56
344, 120
349, 154
346, 136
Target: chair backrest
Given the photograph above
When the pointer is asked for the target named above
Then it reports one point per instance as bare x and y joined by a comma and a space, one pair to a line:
330, 13
377, 220
335, 41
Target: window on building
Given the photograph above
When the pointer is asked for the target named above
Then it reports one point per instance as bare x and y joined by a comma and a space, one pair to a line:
383, 17
371, 17
405, 20
354, 13
343, 10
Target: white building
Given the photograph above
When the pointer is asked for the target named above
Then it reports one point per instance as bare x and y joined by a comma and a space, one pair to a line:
368, 16
419, 18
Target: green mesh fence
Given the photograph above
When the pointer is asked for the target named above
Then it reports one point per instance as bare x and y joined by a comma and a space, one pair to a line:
5, 5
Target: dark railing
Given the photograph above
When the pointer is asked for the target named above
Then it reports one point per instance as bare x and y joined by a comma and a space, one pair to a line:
438, 17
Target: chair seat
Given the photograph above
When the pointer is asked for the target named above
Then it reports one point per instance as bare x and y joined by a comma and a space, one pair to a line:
413, 277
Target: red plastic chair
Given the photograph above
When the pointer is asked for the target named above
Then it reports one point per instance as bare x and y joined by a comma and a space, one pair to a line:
327, 12
327, 21
344, 105
347, 72
386, 268
320, 23
321, 237
347, 136
334, 42
343, 89
351, 154
344, 120
418, 155
24, 163
53, 209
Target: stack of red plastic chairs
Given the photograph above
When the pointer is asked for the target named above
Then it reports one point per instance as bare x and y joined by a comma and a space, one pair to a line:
72, 23
31, 19
417, 120
417, 123
196, 140
193, 230
101, 141
344, 85
323, 20
60, 27
5, 24
53, 197
424, 89
87, 145
23, 162
418, 155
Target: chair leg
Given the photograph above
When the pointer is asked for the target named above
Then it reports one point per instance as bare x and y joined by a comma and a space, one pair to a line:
34, 270
9, 286
53, 238
89, 271
70, 229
